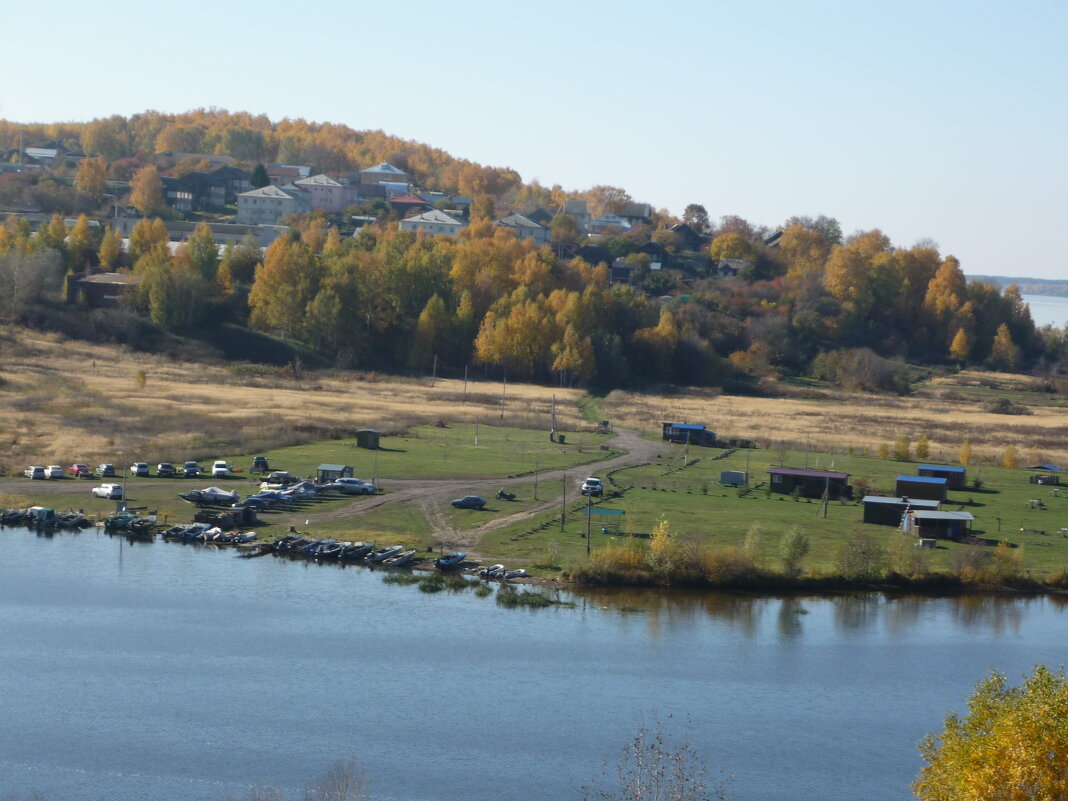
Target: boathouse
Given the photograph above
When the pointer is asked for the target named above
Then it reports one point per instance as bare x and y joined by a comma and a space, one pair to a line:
688, 433
955, 477
938, 525
888, 511
927, 487
810, 483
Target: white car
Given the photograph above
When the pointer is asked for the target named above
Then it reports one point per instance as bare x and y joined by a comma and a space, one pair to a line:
354, 486
54, 471
139, 469
220, 469
112, 491
34, 471
593, 487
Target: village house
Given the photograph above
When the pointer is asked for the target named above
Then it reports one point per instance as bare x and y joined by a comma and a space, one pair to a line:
928, 487
268, 204
525, 228
810, 483
384, 172
433, 222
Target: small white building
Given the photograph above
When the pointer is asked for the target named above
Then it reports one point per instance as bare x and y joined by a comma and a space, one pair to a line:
325, 193
268, 204
434, 222
383, 172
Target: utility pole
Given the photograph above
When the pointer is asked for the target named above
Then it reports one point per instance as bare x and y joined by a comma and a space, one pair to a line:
476, 429
465, 383
589, 516
563, 503
434, 375
747, 450
537, 466
504, 388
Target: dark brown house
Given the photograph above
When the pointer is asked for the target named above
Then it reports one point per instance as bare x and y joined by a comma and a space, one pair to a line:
810, 483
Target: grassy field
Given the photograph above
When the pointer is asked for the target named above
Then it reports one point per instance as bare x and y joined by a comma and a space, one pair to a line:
697, 507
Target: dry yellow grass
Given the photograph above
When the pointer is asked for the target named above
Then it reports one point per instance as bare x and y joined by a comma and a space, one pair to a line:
64, 401
839, 421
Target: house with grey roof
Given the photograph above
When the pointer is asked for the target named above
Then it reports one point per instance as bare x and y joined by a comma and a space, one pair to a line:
325, 193
525, 228
433, 222
577, 208
384, 172
268, 204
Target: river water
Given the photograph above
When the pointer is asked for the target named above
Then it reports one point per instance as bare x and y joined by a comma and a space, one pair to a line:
160, 670
1048, 309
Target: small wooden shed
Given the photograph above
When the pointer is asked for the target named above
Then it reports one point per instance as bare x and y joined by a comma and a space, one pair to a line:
926, 487
332, 472
938, 525
733, 478
810, 483
691, 433
367, 438
956, 477
888, 511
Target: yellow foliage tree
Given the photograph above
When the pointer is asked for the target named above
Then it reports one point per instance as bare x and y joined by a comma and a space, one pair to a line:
1012, 745
961, 347
146, 191
731, 246
966, 453
923, 447
91, 178
1009, 457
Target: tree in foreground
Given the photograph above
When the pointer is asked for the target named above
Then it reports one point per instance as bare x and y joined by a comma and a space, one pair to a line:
1011, 746
651, 769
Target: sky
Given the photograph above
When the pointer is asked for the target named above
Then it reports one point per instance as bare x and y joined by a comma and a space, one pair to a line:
941, 121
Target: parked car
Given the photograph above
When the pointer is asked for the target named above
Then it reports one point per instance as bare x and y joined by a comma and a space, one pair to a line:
166, 470
105, 470
260, 465
54, 471
139, 469
79, 470
593, 487
470, 502
35, 471
220, 469
353, 486
281, 477
190, 470
112, 491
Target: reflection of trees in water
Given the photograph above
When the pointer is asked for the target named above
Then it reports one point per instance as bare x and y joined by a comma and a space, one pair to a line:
903, 612
791, 610
677, 609
857, 611
998, 613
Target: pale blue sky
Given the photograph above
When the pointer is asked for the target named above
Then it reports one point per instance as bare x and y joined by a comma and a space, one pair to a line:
928, 120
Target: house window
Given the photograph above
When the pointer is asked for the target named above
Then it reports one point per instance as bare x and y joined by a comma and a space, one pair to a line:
776, 479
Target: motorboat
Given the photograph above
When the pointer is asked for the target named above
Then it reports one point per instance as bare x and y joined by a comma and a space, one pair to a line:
450, 560
493, 571
400, 559
330, 551
357, 550
514, 574
382, 554
210, 496
122, 520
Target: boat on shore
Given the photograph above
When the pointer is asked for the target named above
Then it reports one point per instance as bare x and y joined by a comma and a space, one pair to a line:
382, 554
450, 560
401, 559
358, 550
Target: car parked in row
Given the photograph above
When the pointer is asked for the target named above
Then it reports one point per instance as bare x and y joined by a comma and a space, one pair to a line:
139, 469
105, 471
220, 469
353, 486
54, 471
35, 471
166, 470
79, 470
111, 491
190, 470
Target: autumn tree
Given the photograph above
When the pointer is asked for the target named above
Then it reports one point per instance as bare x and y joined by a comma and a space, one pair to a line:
902, 446
793, 548
731, 246
923, 447
1009, 458
961, 346
483, 207
696, 216
149, 235
110, 253
1012, 744
146, 191
81, 243
966, 453
1004, 355
431, 328
91, 179
564, 228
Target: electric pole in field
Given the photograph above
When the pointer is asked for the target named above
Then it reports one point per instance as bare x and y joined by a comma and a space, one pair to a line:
434, 375
563, 503
465, 383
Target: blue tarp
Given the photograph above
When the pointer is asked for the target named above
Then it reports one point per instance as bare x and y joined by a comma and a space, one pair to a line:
922, 479
940, 467
687, 427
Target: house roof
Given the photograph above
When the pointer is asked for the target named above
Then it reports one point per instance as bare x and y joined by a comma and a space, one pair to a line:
413, 200
1051, 467
269, 191
519, 221
688, 426
925, 515
923, 480
385, 167
434, 216
940, 468
335, 467
115, 279
799, 473
318, 180
916, 503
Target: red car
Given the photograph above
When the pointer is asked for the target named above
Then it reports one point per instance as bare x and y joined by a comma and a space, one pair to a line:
80, 470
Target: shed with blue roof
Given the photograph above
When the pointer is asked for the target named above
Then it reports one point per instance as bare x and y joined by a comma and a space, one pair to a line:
955, 477
927, 487
691, 433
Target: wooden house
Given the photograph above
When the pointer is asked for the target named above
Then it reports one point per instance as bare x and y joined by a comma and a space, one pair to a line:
888, 511
926, 487
810, 483
688, 433
955, 477
938, 525
332, 472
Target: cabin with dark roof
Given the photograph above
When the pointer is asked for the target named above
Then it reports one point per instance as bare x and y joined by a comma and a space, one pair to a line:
688, 433
955, 477
810, 483
928, 487
105, 290
938, 525
888, 511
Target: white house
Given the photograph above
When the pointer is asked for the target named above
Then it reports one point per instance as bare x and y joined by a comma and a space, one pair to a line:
525, 228
268, 204
383, 172
325, 193
433, 222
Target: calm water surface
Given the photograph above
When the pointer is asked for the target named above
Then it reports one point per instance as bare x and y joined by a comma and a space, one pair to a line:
171, 672
1048, 309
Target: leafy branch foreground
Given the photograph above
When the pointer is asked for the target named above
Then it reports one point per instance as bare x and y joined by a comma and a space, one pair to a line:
861, 560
